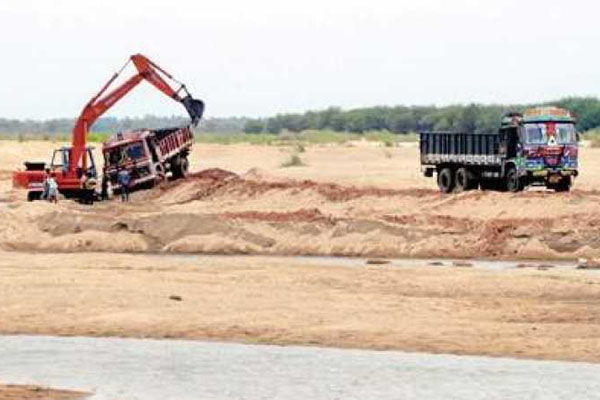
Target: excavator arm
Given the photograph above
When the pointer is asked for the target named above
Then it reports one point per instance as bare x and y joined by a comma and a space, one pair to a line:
100, 103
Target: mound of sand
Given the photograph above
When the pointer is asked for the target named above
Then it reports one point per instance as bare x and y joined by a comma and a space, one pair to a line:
19, 392
217, 211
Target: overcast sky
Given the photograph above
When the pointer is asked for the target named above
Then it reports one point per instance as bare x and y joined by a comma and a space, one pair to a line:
262, 57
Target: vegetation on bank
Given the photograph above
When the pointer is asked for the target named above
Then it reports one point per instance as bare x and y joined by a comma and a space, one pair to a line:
287, 138
310, 137
475, 118
389, 125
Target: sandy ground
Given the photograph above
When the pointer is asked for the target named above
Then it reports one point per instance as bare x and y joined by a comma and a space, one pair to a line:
15, 392
359, 200
379, 205
548, 314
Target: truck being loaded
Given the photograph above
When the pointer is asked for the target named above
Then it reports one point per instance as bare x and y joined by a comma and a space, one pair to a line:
70, 164
536, 148
148, 155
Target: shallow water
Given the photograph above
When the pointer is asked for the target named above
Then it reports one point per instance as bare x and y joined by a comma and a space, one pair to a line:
130, 369
331, 261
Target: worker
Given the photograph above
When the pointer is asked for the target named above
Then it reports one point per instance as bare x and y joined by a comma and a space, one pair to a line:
88, 184
45, 183
124, 179
104, 191
52, 194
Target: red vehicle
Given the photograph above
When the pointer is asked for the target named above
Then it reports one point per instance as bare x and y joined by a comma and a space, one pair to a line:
149, 155
69, 163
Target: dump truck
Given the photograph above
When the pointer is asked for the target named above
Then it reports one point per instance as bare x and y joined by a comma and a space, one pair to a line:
536, 148
148, 155
69, 164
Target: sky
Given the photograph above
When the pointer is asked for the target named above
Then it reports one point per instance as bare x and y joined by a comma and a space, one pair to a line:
263, 57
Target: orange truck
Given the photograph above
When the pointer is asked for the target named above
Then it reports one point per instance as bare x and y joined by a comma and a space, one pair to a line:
70, 163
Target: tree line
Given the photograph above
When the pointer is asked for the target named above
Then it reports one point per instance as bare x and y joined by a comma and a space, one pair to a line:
64, 126
399, 119
472, 118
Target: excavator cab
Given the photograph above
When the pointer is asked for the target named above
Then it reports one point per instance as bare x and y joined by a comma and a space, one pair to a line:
62, 156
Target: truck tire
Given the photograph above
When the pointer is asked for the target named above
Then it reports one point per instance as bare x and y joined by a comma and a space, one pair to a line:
464, 180
445, 180
183, 167
514, 183
179, 167
563, 186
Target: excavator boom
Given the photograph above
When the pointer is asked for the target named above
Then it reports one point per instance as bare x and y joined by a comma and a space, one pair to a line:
99, 104
70, 163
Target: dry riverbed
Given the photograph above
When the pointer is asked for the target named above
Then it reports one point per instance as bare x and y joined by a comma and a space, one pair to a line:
70, 269
544, 314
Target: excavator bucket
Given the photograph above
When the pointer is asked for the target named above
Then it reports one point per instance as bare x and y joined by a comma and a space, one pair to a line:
194, 107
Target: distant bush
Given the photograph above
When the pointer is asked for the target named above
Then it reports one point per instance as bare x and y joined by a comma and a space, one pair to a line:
294, 161
254, 126
98, 137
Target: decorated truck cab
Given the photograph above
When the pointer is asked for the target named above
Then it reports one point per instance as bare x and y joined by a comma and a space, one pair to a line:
148, 155
536, 148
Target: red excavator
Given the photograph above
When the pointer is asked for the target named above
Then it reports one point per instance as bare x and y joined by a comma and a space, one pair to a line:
70, 163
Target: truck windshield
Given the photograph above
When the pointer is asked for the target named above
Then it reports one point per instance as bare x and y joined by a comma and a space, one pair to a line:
565, 133
132, 151
540, 133
135, 150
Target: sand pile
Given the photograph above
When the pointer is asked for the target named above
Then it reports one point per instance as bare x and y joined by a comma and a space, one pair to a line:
23, 392
217, 211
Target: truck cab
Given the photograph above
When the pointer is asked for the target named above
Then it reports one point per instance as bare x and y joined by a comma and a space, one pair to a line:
134, 152
148, 155
541, 145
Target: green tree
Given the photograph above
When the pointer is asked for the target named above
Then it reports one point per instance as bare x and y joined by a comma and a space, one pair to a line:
254, 126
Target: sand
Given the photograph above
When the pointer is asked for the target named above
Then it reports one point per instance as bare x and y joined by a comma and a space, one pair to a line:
522, 312
70, 269
16, 392
350, 201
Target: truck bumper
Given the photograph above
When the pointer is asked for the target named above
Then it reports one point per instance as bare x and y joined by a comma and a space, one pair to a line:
542, 173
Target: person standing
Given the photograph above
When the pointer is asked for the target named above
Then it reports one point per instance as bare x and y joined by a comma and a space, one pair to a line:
104, 191
45, 183
52, 195
88, 185
124, 179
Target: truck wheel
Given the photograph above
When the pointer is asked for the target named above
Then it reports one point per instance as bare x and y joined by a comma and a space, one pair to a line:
563, 186
513, 182
465, 180
445, 180
179, 167
183, 167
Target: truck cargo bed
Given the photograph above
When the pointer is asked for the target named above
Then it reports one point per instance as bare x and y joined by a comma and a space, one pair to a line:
457, 147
